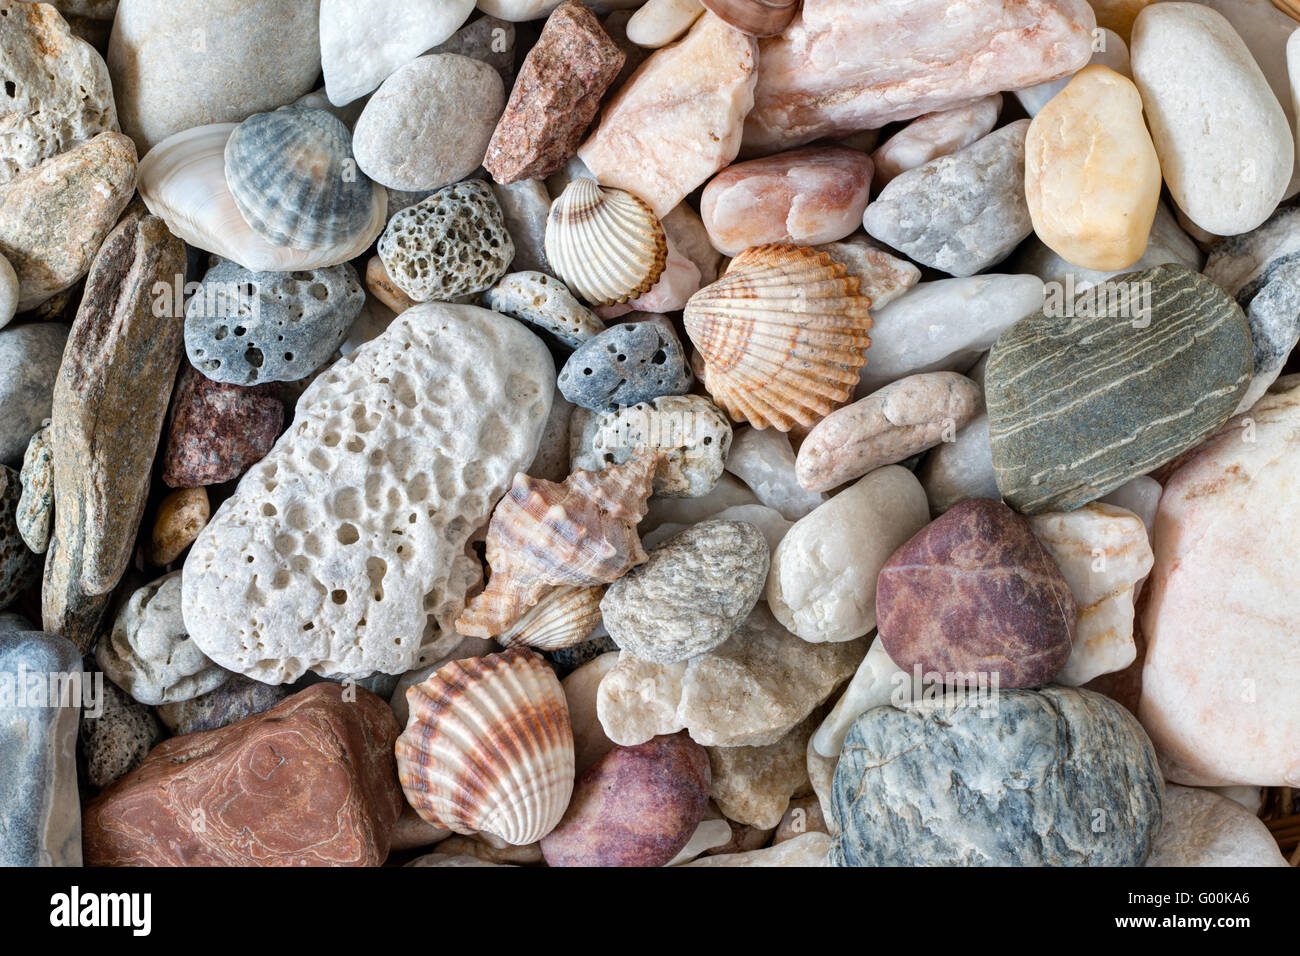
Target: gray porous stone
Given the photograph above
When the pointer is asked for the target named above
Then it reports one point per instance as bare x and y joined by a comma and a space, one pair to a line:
245, 327
19, 567
960, 213
29, 362
691, 595
625, 365
1051, 777
544, 303
117, 740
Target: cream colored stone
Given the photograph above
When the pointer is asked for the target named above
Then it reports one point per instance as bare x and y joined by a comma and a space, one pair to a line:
589, 740
660, 22
933, 135
882, 277
808, 849
803, 816
754, 785
879, 681
709, 835
181, 516
1201, 828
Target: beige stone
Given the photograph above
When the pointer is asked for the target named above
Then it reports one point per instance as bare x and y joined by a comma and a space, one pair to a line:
660, 22
753, 785
882, 277
1118, 15
808, 849
590, 742
1092, 177
181, 516
933, 135
804, 815
1201, 828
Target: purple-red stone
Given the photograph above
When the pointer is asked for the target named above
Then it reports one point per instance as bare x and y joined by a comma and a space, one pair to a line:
218, 431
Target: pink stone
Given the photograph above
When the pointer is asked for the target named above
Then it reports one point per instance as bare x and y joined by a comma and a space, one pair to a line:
934, 135
679, 118
807, 196
849, 65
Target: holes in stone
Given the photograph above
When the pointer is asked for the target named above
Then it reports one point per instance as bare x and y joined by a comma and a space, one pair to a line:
376, 568
355, 445
253, 356
659, 358
331, 439
339, 596
11, 90
348, 534
270, 511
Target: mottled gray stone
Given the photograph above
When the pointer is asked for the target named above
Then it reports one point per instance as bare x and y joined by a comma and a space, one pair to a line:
487, 39
1079, 404
625, 365
691, 595
1057, 777
29, 361
36, 505
237, 698
525, 206
245, 327
40, 816
544, 303
569, 659
117, 741
960, 213
19, 567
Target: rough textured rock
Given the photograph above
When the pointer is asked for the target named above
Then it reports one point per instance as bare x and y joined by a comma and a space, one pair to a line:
901, 420
110, 401
691, 595
300, 569
311, 782
429, 124
749, 692
882, 278
245, 328
148, 653
678, 119
61, 95
692, 435
1079, 404
238, 697
54, 218
117, 740
822, 584
933, 135
164, 86
556, 96
1202, 828
635, 806
1218, 684
35, 512
810, 849
960, 213
180, 517
19, 567
845, 66
450, 244
544, 303
753, 785
763, 459
627, 364
976, 593
40, 814
217, 430
1057, 777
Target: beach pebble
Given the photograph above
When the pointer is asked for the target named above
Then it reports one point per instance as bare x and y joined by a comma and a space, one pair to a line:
1228, 151
217, 430
959, 213
680, 280
450, 244
429, 124
35, 510
1118, 15
1056, 777
691, 434
626, 364
1092, 177
753, 785
1204, 829
933, 135
763, 459
806, 850
882, 278
544, 303
1109, 50
659, 22
960, 469
590, 742
558, 92
1112, 397
749, 692
902, 419
487, 39
116, 740
976, 592
822, 585
691, 594
769, 522
19, 567
148, 653
729, 492
804, 815
518, 11
635, 806
234, 699
8, 292
525, 206
552, 459
878, 681
181, 516
805, 197
709, 835
381, 285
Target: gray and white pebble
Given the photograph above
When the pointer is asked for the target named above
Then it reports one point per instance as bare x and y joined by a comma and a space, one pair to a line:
545, 303
19, 567
626, 364
487, 39
525, 206
30, 356
36, 504
8, 292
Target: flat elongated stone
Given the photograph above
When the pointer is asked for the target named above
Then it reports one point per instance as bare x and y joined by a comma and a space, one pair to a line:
35, 512
1079, 404
844, 65
806, 850
19, 567
933, 135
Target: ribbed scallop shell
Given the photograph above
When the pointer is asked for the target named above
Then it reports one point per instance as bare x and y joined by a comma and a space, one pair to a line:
293, 177
563, 618
606, 244
783, 336
488, 747
579, 533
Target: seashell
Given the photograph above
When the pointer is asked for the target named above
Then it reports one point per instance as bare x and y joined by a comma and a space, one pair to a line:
183, 182
606, 244
563, 618
782, 336
293, 177
1290, 7
579, 533
488, 747
758, 18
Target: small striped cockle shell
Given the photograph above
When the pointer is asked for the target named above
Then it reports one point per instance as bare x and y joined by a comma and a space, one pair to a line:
580, 533
606, 244
561, 619
293, 177
488, 747
782, 336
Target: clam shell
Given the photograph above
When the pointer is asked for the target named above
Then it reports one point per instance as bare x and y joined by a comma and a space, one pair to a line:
759, 18
293, 177
488, 747
782, 336
563, 618
579, 533
606, 244
183, 182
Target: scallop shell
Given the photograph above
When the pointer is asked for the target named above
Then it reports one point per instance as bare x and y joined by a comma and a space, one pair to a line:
606, 244
563, 618
183, 182
579, 533
488, 747
758, 18
295, 181
782, 336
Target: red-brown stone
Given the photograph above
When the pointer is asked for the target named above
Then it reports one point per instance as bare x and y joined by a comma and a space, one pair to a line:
218, 431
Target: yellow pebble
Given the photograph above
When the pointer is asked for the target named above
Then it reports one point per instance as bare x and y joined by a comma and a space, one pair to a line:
181, 516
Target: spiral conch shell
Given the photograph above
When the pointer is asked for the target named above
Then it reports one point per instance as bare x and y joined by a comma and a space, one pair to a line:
488, 747
606, 244
783, 336
561, 619
579, 533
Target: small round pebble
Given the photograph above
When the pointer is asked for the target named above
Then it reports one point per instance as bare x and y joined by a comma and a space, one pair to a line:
116, 741
181, 516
